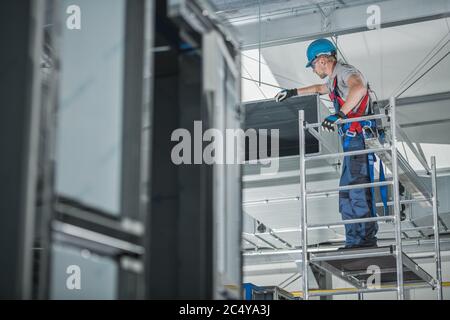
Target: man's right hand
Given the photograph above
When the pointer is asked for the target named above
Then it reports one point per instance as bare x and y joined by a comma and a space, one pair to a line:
284, 94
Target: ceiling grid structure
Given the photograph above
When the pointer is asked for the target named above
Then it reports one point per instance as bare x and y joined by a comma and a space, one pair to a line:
392, 58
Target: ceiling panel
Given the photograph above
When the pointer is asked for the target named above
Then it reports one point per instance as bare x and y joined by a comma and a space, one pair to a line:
242, 11
386, 57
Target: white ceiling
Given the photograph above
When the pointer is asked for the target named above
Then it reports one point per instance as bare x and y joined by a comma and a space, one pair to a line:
245, 11
385, 56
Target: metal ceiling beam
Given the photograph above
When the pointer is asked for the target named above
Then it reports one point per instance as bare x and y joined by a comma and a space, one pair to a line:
425, 123
343, 20
412, 247
415, 100
434, 97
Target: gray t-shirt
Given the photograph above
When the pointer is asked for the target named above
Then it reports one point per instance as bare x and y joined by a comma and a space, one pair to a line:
343, 71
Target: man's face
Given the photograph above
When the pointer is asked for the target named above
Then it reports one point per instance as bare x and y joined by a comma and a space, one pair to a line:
318, 66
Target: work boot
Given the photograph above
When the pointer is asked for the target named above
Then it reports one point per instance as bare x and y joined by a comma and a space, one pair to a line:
367, 245
347, 247
360, 246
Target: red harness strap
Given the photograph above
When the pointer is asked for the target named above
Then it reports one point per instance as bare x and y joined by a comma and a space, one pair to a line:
355, 126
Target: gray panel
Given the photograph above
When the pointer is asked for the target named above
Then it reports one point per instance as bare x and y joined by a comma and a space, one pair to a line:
22, 26
233, 200
179, 259
90, 105
222, 82
268, 114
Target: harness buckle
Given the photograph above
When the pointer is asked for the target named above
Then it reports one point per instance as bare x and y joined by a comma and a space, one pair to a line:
350, 134
369, 133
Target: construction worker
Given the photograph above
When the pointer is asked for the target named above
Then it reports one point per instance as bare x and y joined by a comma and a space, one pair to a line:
348, 89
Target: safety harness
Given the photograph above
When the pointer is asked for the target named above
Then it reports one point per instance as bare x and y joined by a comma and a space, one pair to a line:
354, 127
350, 130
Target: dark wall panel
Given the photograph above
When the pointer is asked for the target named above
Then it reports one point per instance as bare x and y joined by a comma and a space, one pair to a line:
19, 34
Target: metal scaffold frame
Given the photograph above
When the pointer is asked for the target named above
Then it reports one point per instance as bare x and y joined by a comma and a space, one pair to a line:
396, 218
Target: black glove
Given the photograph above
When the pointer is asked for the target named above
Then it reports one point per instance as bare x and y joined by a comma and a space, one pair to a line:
284, 94
328, 123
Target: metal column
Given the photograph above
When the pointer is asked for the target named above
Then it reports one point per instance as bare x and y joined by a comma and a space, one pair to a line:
303, 215
396, 199
437, 247
20, 122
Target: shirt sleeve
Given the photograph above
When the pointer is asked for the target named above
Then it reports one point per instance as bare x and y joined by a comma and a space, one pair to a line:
347, 71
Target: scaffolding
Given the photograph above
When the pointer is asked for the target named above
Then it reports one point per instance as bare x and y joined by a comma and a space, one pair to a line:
395, 264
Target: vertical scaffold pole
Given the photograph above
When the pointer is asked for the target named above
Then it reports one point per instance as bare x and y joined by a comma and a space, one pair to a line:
437, 245
396, 200
303, 214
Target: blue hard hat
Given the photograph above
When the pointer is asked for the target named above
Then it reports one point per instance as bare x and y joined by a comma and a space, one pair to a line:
319, 47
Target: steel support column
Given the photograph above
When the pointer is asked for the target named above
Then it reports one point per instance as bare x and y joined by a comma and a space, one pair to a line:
20, 59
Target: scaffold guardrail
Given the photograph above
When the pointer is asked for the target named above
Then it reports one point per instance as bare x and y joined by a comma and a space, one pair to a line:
396, 218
